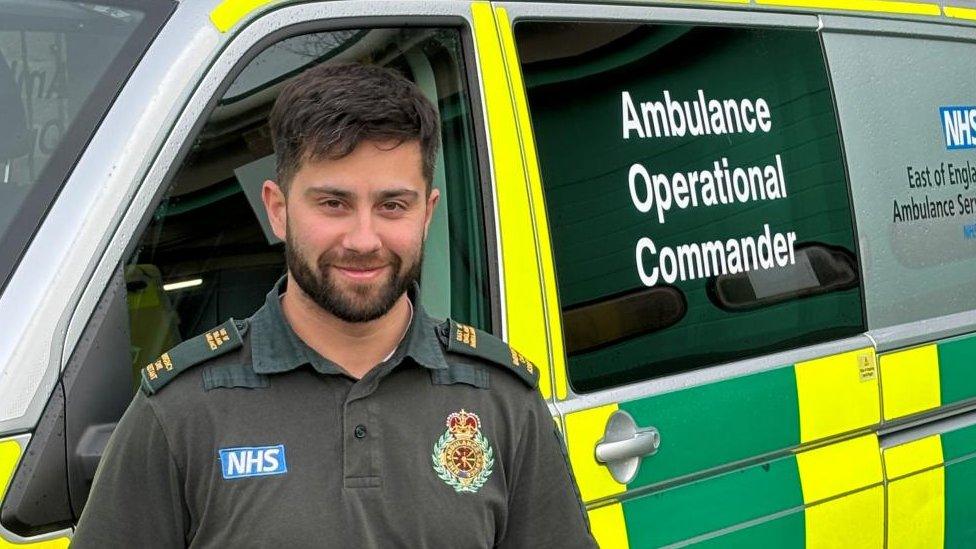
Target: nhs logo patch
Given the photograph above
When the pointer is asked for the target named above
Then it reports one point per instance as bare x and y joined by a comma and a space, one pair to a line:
959, 127
253, 461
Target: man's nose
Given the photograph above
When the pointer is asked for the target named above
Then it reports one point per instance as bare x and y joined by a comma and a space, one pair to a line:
362, 237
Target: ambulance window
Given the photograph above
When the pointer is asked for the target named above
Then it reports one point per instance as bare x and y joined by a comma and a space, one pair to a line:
696, 194
61, 65
912, 155
209, 253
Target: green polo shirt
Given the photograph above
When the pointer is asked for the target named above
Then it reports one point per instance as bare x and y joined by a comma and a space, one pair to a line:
443, 444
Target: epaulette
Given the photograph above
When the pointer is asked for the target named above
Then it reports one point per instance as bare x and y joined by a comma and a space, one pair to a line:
215, 342
466, 340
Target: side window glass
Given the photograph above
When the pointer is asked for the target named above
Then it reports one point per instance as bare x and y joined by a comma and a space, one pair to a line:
209, 253
915, 195
695, 191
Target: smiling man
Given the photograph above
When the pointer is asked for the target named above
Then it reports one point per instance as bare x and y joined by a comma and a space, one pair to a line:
340, 414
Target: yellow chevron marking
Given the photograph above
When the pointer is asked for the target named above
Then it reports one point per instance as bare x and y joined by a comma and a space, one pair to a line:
837, 394
912, 457
583, 430
850, 522
910, 381
608, 527
523, 290
882, 6
9, 456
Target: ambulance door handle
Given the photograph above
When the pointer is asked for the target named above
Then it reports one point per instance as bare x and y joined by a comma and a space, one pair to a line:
643, 443
624, 444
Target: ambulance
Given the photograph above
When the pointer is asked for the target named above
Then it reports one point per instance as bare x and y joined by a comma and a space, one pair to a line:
738, 237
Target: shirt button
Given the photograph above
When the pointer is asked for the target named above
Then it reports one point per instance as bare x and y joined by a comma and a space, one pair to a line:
360, 431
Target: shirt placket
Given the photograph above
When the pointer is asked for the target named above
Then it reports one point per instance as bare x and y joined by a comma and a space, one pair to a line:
361, 437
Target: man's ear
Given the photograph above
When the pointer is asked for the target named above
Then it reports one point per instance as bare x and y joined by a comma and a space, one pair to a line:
432, 200
275, 204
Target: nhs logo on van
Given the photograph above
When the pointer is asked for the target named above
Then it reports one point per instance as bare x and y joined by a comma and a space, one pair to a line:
959, 127
253, 461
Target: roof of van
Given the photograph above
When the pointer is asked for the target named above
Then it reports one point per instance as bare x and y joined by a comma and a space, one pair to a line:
946, 11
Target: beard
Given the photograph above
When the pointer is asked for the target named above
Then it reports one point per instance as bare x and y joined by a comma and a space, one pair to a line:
359, 302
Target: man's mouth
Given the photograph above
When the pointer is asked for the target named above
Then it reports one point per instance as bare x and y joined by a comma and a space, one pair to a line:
360, 273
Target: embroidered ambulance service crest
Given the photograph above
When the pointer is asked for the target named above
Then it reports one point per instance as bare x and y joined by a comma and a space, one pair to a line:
462, 457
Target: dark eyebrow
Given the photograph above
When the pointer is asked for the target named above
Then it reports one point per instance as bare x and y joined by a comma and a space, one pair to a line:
409, 194
331, 191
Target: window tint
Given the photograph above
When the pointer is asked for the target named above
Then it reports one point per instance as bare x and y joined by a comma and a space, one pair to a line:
61, 64
695, 191
912, 157
209, 253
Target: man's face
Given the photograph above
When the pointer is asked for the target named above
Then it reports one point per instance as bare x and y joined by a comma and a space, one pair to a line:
354, 228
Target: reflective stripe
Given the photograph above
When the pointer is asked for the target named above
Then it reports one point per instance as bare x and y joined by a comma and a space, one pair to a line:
583, 430
837, 394
839, 468
856, 519
9, 456
523, 290
536, 205
927, 377
910, 381
916, 497
230, 12
880, 6
916, 510
853, 521
912, 457
960, 13
608, 527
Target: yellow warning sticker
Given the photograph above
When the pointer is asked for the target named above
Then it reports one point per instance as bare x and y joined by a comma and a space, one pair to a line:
867, 367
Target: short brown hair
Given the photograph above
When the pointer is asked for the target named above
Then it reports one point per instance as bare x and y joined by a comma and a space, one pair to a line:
326, 111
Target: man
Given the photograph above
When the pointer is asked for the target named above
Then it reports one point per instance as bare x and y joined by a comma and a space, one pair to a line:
340, 414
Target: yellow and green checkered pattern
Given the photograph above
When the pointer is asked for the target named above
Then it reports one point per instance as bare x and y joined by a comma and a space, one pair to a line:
932, 491
931, 481
844, 493
813, 497
929, 376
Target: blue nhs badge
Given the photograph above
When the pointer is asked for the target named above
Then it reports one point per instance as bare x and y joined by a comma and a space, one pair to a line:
959, 127
253, 461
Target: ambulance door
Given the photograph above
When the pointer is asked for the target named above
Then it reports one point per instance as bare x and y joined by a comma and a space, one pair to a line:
63, 64
906, 109
702, 274
178, 238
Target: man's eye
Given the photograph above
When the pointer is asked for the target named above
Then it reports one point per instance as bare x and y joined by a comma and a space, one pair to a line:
331, 203
393, 206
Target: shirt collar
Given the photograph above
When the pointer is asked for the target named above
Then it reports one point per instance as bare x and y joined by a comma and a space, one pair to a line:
276, 348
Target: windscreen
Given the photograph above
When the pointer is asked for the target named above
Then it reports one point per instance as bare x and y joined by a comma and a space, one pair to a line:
61, 65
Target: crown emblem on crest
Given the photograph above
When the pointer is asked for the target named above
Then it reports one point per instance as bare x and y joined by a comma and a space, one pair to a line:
463, 425
462, 456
